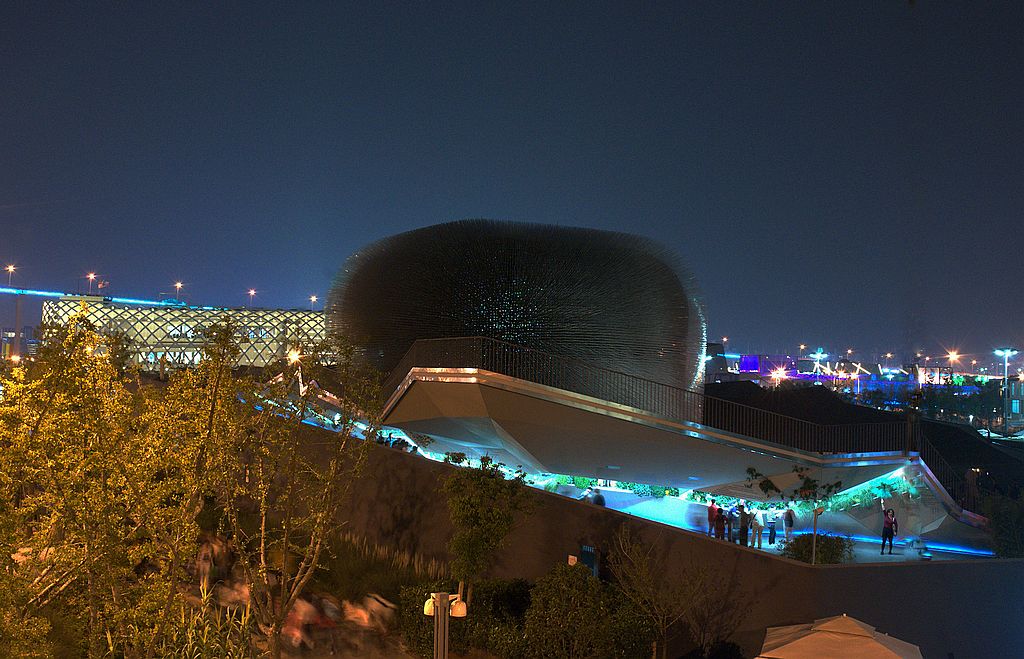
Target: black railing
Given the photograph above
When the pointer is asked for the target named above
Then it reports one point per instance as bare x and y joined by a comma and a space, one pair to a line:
673, 403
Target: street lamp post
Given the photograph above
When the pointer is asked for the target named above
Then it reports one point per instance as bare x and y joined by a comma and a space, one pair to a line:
177, 289
91, 277
441, 606
252, 294
312, 302
10, 274
1006, 353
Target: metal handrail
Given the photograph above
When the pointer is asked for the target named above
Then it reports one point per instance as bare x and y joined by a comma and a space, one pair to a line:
672, 402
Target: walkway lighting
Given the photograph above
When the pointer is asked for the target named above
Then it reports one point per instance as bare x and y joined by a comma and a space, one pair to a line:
1006, 353
10, 273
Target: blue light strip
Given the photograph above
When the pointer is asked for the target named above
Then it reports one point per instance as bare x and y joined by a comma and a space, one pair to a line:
933, 546
119, 300
25, 291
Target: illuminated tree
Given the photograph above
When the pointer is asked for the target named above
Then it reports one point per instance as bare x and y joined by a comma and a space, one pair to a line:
483, 506
281, 484
90, 499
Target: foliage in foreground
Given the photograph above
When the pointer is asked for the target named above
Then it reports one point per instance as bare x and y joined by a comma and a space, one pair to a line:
567, 613
830, 548
574, 615
483, 506
103, 482
1006, 524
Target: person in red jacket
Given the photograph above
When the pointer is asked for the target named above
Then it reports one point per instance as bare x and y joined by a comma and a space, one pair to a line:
712, 513
889, 527
720, 524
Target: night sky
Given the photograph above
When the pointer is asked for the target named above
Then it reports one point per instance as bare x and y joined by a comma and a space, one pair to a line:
833, 173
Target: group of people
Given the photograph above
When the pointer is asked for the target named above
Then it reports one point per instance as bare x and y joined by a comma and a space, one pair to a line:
746, 526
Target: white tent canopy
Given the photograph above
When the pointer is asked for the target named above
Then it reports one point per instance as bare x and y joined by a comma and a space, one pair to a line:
841, 637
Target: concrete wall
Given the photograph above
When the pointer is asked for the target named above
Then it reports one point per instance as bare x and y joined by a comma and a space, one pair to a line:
960, 609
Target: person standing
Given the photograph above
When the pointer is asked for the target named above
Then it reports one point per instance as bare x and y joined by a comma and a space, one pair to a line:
788, 520
756, 527
773, 516
744, 525
720, 524
712, 514
889, 527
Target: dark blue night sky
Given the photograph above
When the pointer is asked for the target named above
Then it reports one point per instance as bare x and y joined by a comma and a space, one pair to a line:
834, 173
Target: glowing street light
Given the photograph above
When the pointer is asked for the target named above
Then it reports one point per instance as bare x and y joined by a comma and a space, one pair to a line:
1006, 353
252, 294
177, 289
849, 352
91, 277
312, 302
953, 356
778, 375
802, 348
10, 273
294, 356
725, 342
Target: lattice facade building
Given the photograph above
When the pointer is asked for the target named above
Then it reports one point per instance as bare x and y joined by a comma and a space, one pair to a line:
171, 335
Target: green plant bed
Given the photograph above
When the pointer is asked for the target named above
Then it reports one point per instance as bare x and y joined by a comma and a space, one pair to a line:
350, 572
831, 549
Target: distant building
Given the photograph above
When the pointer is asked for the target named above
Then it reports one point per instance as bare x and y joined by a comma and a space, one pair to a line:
169, 334
29, 343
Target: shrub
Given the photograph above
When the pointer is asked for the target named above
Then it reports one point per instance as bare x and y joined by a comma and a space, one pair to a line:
574, 615
830, 548
1006, 525
583, 482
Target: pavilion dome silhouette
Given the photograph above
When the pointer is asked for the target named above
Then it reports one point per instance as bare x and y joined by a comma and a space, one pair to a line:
614, 300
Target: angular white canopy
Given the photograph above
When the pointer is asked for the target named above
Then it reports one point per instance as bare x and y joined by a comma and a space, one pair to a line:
841, 637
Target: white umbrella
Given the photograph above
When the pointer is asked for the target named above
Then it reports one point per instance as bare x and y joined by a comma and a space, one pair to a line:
841, 637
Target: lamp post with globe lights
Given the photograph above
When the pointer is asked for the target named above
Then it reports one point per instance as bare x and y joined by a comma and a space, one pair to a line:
1006, 353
